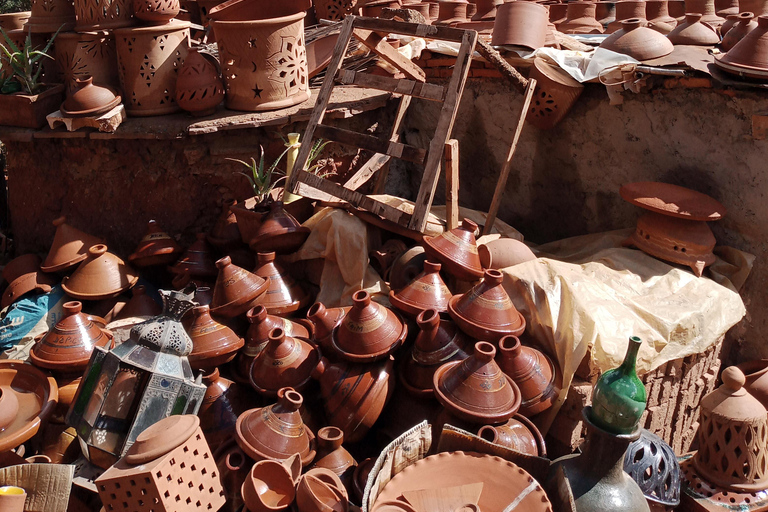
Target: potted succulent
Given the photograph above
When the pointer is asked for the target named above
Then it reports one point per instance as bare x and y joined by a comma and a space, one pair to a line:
24, 100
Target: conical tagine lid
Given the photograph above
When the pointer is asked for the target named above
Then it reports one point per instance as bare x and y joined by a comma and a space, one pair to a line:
213, 344
426, 291
284, 294
457, 251
533, 372
70, 247
236, 290
197, 260
749, 57
285, 362
369, 331
102, 276
279, 232
156, 248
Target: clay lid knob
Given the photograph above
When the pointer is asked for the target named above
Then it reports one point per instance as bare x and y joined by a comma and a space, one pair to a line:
256, 314
692, 17
431, 268
276, 335
484, 352
72, 308
428, 319
361, 299
733, 378
210, 377
97, 250
493, 277
631, 24
224, 262
744, 16
330, 437
265, 257
289, 399
469, 225
511, 345
59, 221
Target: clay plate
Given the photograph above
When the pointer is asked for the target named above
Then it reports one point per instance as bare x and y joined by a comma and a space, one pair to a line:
672, 200
37, 395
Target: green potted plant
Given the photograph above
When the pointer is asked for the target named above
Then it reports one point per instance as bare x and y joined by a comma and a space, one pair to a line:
24, 99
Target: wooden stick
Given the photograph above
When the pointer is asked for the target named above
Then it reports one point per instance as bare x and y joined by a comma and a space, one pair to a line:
502, 183
452, 184
505, 68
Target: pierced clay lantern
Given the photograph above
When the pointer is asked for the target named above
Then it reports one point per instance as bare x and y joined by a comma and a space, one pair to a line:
133, 386
91, 54
199, 89
733, 437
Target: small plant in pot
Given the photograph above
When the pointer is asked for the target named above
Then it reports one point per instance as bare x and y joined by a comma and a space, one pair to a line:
24, 99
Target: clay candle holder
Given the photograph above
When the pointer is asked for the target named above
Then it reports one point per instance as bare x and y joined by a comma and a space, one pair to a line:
156, 12
199, 90
325, 321
534, 373
331, 455
284, 294
625, 10
285, 362
213, 344
236, 290
23, 276
580, 19
742, 24
748, 57
197, 260
657, 13
426, 291
693, 32
456, 250
101, 276
269, 486
638, 41
279, 232
520, 24
70, 247
156, 248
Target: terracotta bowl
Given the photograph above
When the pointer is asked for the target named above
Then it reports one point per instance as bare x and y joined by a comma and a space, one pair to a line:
269, 486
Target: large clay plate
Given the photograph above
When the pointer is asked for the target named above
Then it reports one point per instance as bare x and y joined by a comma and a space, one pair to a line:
672, 200
37, 394
503, 481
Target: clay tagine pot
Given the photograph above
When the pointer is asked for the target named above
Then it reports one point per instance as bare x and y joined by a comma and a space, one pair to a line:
748, 57
625, 10
426, 291
284, 294
236, 290
580, 19
333, 456
89, 100
70, 247
285, 362
141, 305
369, 331
68, 345
638, 41
325, 320
225, 235
213, 344
518, 434
504, 252
438, 342
200, 88
279, 232
197, 260
276, 431
457, 251
520, 24
475, 389
268, 486
101, 276
657, 13
534, 372
156, 12
486, 312
218, 409
735, 28
23, 276
693, 32
156, 248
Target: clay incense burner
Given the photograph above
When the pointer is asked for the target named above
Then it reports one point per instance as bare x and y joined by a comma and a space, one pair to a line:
213, 344
426, 291
284, 294
285, 362
456, 250
236, 290
156, 248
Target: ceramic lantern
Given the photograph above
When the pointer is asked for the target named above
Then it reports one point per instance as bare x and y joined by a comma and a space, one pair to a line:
138, 383
103, 14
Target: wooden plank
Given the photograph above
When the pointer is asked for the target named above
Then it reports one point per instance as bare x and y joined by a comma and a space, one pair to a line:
371, 143
502, 183
422, 90
381, 179
411, 29
377, 44
442, 132
368, 169
452, 184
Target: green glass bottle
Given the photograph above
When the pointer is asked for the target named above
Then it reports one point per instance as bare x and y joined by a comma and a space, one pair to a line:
619, 397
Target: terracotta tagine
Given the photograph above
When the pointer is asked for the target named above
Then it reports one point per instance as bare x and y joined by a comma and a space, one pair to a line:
236, 290
354, 395
325, 321
156, 12
406, 267
89, 100
693, 32
218, 409
23, 275
475, 389
438, 342
284, 294
707, 10
741, 25
369, 331
27, 398
70, 247
276, 431
286, 361
580, 19
756, 7
638, 41
156, 248
333, 456
426, 291
534, 372
518, 434
456, 250
504, 252
101, 276
626, 9
197, 260
486, 312
200, 87
748, 57
321, 490
279, 232
213, 344
141, 305
520, 24
269, 486
225, 234
335, 10
452, 11
657, 13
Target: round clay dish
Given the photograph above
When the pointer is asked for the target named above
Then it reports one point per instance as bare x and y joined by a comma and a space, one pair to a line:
36, 394
673, 200
161, 438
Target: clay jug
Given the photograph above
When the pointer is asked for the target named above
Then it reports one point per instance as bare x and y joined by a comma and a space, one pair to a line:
456, 250
285, 362
284, 294
744, 23
535, 374
369, 331
333, 456
213, 344
426, 291
236, 290
325, 321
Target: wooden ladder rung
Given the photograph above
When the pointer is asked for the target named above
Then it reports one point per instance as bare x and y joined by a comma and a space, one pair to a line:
410, 29
422, 90
379, 45
371, 143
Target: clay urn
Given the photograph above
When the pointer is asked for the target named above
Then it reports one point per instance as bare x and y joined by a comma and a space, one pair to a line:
236, 290
504, 252
756, 377
325, 320
90, 100
354, 395
156, 248
23, 276
407, 267
693, 32
744, 23
426, 291
486, 10
141, 305
638, 41
626, 9
657, 14
518, 434
536, 375
452, 11
748, 57
438, 342
286, 361
257, 337
369, 331
277, 431
70, 247
269, 486
580, 19
213, 344
199, 86
101, 276
320, 490
68, 345
331, 455
756, 7
520, 24
284, 294
486, 312
456, 250
197, 260
707, 10
475, 389
225, 235
218, 410
279, 232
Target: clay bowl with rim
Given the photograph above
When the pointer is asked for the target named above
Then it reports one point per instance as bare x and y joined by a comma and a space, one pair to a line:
673, 200
268, 486
90, 100
320, 490
162, 437
36, 395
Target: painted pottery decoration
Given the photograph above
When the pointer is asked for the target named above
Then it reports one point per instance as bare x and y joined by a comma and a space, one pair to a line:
103, 14
556, 92
657, 13
638, 41
156, 12
452, 11
652, 463
733, 438
148, 60
580, 19
743, 24
748, 58
48, 16
83, 55
199, 90
335, 10
536, 375
197, 260
279, 232
456, 250
156, 248
23, 276
426, 291
707, 10
101, 276
504, 252
625, 10
169, 460
286, 361
284, 294
70, 247
213, 344
693, 32
325, 320
276, 431
518, 434
236, 290
268, 486
28, 397
333, 456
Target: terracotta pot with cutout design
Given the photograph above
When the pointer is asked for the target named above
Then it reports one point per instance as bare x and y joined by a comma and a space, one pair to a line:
89, 54
156, 12
47, 16
103, 14
335, 10
200, 88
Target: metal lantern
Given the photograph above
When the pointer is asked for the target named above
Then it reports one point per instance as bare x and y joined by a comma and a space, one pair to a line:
133, 386
652, 463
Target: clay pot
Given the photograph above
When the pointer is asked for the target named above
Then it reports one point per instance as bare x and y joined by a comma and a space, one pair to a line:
707, 9
375, 8
452, 11
321, 491
626, 9
279, 232
657, 13
333, 456
325, 321
102, 276
534, 372
557, 12
693, 32
23, 276
438, 342
405, 269
103, 14
756, 7
89, 100
426, 291
457, 251
236, 290
385, 256
486, 312
369, 331
90, 54
285, 362
161, 438
504, 252
748, 57
580, 19
141, 305
725, 8
213, 344
14, 20
225, 234
218, 409
48, 16
475, 389
605, 12
354, 395
199, 90
70, 247
638, 41
556, 92
269, 487
335, 10
518, 434
156, 248
284, 294
197, 260
148, 61
156, 12
744, 24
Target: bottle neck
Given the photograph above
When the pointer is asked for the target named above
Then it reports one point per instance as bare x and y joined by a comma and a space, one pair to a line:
630, 359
